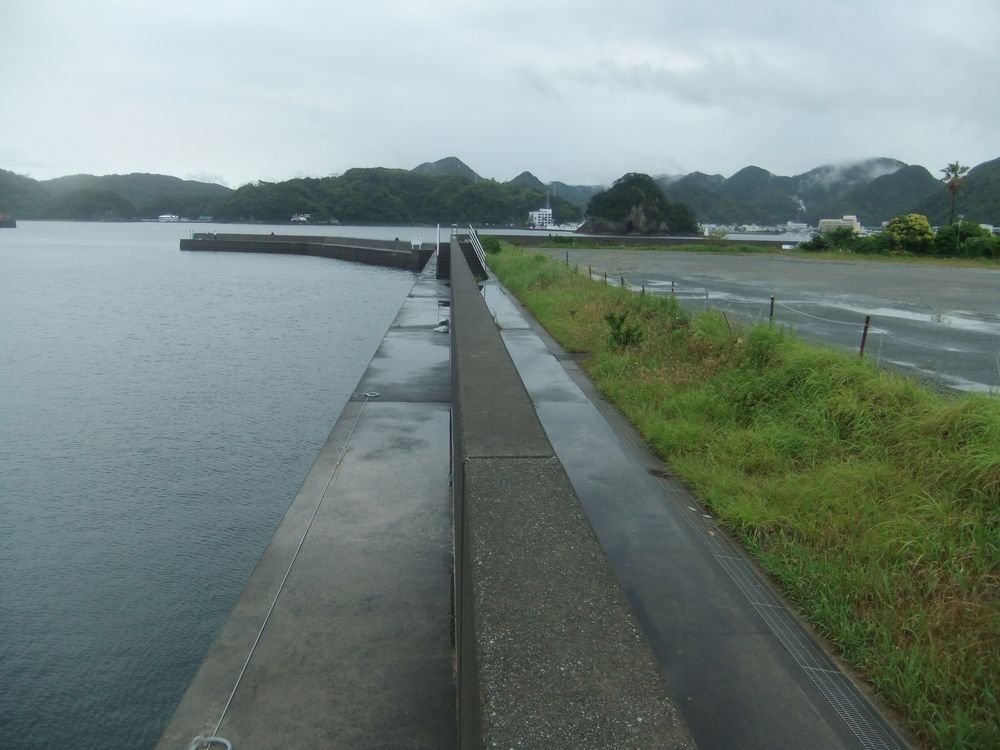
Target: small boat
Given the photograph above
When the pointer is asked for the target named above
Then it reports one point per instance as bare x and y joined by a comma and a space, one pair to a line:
169, 217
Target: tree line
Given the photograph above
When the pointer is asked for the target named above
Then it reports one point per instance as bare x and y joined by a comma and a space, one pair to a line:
390, 196
912, 233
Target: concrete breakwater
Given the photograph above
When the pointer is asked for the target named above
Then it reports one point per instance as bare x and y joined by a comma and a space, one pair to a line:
391, 254
396, 608
342, 637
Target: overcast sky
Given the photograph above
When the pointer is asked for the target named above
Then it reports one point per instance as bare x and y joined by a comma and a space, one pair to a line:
572, 90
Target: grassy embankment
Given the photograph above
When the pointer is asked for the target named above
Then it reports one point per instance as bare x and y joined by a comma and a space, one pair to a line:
872, 500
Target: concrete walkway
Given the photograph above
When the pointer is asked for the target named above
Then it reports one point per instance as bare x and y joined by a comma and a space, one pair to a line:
357, 652
745, 673
550, 654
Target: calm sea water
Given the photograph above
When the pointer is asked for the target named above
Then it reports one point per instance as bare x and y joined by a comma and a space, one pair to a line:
158, 411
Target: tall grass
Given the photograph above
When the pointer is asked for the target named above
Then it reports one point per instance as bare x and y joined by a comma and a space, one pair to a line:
874, 501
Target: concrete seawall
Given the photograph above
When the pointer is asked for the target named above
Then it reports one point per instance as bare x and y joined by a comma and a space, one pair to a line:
549, 653
371, 252
348, 633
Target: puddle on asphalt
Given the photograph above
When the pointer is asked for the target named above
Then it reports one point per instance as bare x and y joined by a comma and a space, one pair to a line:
948, 320
888, 337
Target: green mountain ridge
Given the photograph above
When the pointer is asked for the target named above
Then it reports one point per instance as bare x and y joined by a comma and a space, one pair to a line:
874, 189
978, 200
393, 196
528, 180
117, 197
450, 166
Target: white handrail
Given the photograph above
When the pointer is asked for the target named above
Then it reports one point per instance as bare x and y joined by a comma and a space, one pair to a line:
478, 247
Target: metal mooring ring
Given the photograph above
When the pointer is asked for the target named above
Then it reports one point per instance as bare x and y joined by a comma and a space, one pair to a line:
200, 742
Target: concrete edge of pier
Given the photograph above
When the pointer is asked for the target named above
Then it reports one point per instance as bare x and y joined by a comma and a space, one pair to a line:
549, 651
342, 636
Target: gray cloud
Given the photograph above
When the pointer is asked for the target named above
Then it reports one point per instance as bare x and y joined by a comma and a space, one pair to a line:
580, 91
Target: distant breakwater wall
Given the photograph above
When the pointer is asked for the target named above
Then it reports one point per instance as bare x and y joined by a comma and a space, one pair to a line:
386, 253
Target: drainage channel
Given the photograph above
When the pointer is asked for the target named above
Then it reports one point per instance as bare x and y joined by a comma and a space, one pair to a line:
872, 731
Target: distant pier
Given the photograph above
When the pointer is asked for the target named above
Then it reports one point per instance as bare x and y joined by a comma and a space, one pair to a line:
390, 254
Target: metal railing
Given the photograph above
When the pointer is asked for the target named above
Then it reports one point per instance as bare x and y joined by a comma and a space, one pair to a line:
478, 247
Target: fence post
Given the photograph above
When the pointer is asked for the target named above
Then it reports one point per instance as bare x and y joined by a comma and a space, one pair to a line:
567, 257
671, 287
770, 318
605, 278
623, 281
864, 335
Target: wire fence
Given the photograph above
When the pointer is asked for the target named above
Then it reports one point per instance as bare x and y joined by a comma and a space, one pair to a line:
964, 357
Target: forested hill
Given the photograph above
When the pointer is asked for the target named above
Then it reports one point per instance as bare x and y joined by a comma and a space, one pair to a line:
978, 200
874, 189
111, 197
394, 196
448, 191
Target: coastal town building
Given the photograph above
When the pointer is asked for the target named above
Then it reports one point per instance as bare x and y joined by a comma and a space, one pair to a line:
848, 222
541, 219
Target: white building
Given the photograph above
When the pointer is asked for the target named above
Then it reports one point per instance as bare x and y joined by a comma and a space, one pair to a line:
848, 222
541, 219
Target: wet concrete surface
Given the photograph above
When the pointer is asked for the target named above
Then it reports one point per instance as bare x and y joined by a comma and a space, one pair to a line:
938, 323
357, 651
550, 654
410, 365
504, 311
744, 672
562, 662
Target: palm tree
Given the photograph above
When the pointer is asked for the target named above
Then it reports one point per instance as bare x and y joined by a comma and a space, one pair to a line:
954, 178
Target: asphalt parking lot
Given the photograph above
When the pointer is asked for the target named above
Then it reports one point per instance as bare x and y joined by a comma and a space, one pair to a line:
938, 323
